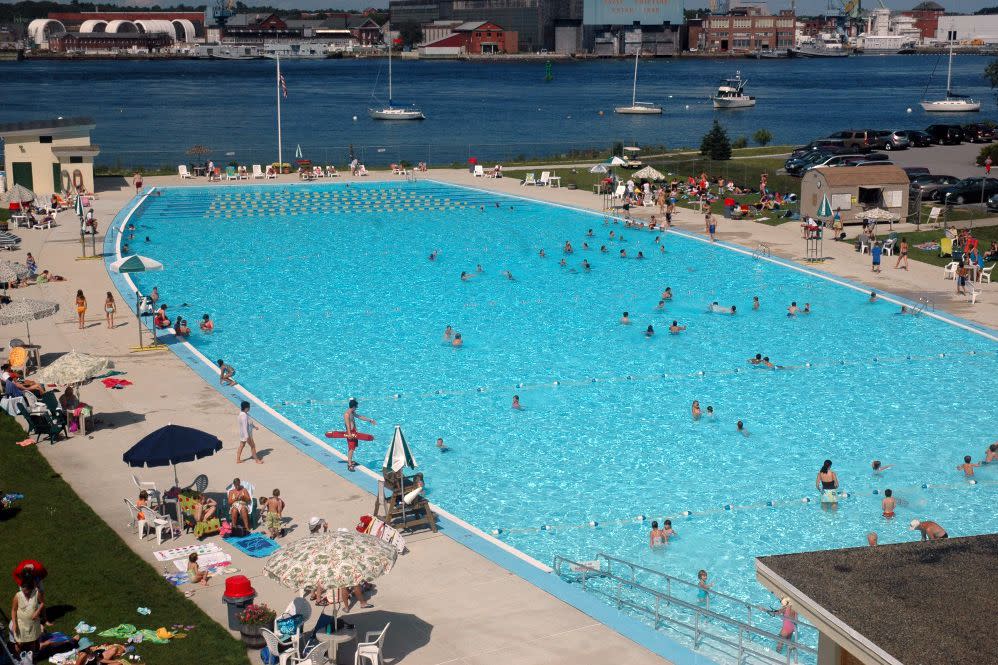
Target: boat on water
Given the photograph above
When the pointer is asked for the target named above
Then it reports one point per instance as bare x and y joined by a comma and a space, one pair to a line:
391, 111
953, 103
730, 94
295, 50
227, 51
636, 107
767, 54
825, 45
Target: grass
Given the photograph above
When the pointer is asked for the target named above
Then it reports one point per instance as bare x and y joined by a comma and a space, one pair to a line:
984, 234
93, 575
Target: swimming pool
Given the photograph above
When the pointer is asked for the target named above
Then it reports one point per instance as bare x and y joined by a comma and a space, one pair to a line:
322, 292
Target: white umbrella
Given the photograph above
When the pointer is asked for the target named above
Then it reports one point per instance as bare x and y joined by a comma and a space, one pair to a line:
599, 168
11, 271
136, 263
616, 161
879, 215
648, 173
74, 369
398, 456
19, 194
18, 311
79, 207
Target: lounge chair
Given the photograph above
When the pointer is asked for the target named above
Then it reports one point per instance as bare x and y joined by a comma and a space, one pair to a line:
317, 172
183, 172
241, 173
479, 171
230, 173
42, 424
254, 508
331, 172
545, 179
257, 172
216, 174
362, 170
60, 202
369, 651
934, 215
529, 180
271, 173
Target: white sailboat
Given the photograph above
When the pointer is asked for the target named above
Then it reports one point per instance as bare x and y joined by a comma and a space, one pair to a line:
392, 112
953, 103
636, 107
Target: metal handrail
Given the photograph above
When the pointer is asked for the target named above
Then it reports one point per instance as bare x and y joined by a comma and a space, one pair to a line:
702, 615
762, 249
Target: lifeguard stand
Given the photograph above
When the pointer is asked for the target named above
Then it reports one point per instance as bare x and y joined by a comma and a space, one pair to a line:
813, 236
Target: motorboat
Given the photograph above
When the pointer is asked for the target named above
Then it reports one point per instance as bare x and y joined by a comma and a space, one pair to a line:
730, 94
636, 107
295, 50
953, 103
391, 111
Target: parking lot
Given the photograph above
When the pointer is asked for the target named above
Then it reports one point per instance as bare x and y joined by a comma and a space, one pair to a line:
954, 160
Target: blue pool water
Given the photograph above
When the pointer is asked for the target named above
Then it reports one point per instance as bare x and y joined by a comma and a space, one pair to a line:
322, 292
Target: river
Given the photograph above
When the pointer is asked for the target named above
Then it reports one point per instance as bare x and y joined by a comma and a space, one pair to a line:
150, 112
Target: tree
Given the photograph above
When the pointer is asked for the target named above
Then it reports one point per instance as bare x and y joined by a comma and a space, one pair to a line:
715, 143
740, 142
762, 136
991, 73
410, 33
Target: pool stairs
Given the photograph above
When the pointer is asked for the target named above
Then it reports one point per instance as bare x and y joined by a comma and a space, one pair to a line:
726, 629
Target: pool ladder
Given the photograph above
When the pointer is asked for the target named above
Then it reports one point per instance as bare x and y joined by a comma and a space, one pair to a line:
762, 250
719, 636
925, 304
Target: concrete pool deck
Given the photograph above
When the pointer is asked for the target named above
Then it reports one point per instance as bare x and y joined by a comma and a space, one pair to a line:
447, 603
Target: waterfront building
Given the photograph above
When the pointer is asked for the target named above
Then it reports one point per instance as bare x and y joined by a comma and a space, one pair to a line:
531, 20
110, 43
473, 38
49, 155
746, 31
968, 30
926, 15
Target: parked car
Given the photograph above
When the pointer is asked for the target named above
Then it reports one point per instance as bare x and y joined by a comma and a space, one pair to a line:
978, 133
916, 138
945, 134
927, 186
831, 146
876, 157
858, 140
969, 190
798, 165
913, 171
992, 204
834, 160
894, 140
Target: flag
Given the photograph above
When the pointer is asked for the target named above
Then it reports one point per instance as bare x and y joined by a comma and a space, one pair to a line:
284, 87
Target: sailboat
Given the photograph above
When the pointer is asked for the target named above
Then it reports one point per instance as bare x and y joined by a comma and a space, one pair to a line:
636, 107
953, 103
392, 112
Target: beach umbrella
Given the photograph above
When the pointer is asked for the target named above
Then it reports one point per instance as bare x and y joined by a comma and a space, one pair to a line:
615, 161
26, 311
825, 209
74, 369
136, 263
600, 168
298, 151
879, 215
648, 173
398, 456
172, 445
78, 206
334, 560
8, 240
20, 195
11, 271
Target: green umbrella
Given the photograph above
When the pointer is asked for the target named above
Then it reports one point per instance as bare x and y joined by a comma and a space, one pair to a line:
398, 456
79, 207
825, 209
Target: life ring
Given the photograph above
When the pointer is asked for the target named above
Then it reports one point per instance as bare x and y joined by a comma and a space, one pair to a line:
78, 180
65, 181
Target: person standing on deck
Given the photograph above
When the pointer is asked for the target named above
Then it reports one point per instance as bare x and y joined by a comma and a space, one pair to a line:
350, 424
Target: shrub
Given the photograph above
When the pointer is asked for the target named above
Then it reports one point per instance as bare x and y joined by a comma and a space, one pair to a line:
762, 136
740, 142
715, 143
988, 151
257, 615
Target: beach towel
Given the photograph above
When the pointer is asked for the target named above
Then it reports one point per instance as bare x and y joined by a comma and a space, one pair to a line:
176, 579
209, 561
387, 533
116, 383
254, 545
186, 551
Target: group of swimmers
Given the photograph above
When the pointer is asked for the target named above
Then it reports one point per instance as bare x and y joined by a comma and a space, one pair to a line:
698, 413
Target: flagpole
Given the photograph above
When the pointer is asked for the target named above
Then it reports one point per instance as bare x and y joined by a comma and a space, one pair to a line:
280, 152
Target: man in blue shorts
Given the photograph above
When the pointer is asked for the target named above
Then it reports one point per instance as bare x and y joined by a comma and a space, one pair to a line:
876, 252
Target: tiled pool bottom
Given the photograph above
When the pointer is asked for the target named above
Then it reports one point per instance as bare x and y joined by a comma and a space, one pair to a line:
599, 448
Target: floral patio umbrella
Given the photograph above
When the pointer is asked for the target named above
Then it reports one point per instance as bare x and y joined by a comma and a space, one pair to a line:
11, 271
334, 560
74, 369
27, 310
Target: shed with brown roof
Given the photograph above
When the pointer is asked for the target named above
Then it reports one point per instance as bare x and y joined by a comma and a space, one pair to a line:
852, 190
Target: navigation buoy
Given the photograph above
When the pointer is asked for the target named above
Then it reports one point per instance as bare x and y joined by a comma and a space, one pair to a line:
908, 110
355, 118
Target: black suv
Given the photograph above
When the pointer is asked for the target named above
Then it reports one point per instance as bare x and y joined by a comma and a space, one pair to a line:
978, 133
945, 134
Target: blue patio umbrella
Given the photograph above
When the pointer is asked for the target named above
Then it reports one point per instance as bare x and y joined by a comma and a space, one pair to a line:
171, 445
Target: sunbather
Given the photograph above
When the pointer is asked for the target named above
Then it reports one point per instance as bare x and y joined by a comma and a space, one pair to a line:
239, 501
204, 508
109, 654
194, 572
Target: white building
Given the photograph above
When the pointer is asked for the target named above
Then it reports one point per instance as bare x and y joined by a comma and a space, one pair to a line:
968, 29
886, 33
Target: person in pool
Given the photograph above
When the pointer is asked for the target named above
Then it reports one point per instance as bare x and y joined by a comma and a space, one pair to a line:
878, 467
568, 247
807, 308
603, 249
888, 505
458, 341
625, 320
695, 410
766, 363
740, 427
207, 326
541, 254
668, 530
623, 253
710, 412
649, 331
991, 454
448, 334
757, 360
433, 255
440, 445
660, 305
827, 482
586, 266
508, 275
590, 234
793, 309
675, 328
657, 536
516, 403
465, 276
703, 586
563, 263
929, 529
667, 294
967, 467
641, 254
873, 296
755, 302
871, 539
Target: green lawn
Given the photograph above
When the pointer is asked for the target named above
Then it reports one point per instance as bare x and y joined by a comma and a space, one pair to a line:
93, 575
984, 234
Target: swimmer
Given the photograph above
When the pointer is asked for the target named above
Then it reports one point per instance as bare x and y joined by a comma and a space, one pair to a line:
440, 445
207, 326
649, 331
675, 328
878, 467
433, 255
667, 529
568, 247
873, 296
656, 537
904, 310
621, 238
826, 480
612, 232
695, 410
991, 455
757, 360
458, 341
710, 411
585, 246
516, 403
792, 310
603, 249
667, 294
623, 253
660, 305
661, 249
625, 320
807, 308
590, 234
465, 276
541, 254
888, 504
585, 265
703, 586
767, 363
640, 255
740, 426
479, 268
563, 263
871, 539
448, 334
930, 530
967, 467
508, 275
755, 302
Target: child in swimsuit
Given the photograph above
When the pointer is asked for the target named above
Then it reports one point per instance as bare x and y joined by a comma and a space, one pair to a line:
657, 536
888, 504
194, 571
967, 467
703, 587
109, 309
81, 308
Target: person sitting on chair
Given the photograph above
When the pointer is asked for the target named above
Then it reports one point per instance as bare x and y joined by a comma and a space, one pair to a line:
239, 503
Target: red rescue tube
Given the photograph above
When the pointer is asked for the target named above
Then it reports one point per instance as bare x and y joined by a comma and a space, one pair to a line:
360, 436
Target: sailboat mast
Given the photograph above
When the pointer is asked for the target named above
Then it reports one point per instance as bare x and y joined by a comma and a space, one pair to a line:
949, 71
389, 65
634, 89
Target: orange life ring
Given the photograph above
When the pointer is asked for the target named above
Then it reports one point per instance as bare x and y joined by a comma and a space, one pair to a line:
78, 179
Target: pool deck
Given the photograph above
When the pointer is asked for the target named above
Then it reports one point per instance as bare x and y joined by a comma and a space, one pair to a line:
447, 602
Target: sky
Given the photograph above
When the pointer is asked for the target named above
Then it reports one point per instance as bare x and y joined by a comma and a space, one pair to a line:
803, 6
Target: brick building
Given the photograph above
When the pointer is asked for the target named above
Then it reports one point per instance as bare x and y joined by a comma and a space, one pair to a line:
109, 42
474, 38
926, 15
746, 32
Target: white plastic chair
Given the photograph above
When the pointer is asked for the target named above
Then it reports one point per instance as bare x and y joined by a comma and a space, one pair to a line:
949, 270
161, 523
370, 650
934, 215
985, 275
257, 172
889, 246
133, 512
529, 180
545, 179
182, 170
479, 171
272, 175
155, 497
274, 646
317, 656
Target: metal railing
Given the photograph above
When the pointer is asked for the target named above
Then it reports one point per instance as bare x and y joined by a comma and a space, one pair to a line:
741, 641
762, 249
925, 304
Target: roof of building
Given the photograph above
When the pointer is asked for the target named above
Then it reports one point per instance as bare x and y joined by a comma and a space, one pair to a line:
73, 150
469, 26
923, 603
450, 40
928, 7
850, 176
118, 35
57, 123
